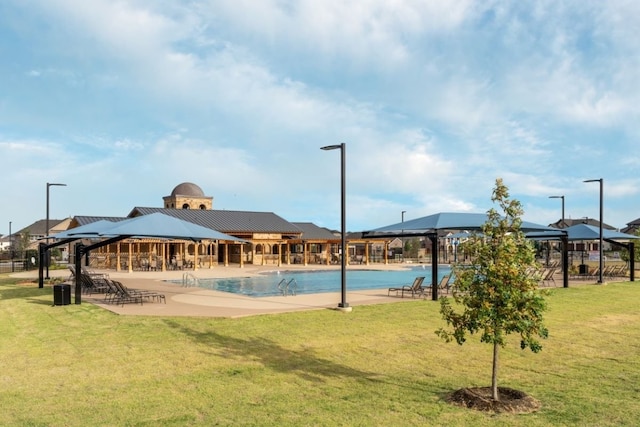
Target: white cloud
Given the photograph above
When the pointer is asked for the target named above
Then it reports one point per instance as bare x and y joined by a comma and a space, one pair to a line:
434, 99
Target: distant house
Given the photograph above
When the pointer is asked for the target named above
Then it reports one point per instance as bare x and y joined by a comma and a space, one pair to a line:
589, 221
5, 242
38, 230
632, 227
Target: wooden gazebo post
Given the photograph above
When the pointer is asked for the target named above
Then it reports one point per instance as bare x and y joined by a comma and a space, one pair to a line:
163, 261
130, 258
366, 253
118, 256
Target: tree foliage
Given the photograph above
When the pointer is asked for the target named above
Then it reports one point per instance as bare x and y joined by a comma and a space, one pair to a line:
496, 292
624, 253
411, 248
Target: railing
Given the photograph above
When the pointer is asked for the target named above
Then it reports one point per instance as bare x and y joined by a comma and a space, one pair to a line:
8, 266
189, 280
288, 287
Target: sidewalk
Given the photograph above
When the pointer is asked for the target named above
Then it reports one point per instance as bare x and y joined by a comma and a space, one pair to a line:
192, 301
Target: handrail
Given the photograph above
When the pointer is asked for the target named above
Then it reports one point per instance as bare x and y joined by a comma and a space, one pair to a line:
282, 286
292, 289
288, 287
188, 280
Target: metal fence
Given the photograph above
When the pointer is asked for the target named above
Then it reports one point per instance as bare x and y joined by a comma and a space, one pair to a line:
12, 266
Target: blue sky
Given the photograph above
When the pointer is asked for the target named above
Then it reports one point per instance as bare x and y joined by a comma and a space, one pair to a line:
123, 100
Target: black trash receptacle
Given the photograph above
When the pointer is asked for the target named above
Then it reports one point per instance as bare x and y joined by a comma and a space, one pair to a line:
62, 294
584, 269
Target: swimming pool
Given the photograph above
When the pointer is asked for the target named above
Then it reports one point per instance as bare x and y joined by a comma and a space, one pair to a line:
311, 282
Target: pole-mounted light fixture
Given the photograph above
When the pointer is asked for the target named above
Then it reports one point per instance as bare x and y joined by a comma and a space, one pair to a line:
343, 305
49, 184
601, 264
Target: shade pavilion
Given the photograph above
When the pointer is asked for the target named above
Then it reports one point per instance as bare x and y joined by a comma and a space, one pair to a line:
156, 225
438, 225
587, 232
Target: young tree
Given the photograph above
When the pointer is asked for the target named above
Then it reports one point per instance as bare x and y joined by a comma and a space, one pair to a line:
624, 254
411, 248
497, 295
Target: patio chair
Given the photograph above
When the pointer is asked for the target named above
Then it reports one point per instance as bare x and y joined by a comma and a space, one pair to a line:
91, 273
92, 285
445, 284
415, 288
153, 295
122, 295
547, 276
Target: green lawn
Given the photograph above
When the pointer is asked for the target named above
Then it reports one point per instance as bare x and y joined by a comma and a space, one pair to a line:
381, 365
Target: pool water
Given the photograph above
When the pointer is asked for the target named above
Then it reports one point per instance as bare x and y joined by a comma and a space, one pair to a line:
311, 282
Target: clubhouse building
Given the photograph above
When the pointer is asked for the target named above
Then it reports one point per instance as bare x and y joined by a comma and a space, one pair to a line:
270, 239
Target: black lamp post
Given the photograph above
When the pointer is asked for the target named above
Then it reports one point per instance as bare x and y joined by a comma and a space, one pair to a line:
601, 265
562, 225
560, 197
49, 184
402, 236
343, 305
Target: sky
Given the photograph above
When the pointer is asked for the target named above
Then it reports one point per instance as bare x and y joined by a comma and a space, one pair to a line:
434, 100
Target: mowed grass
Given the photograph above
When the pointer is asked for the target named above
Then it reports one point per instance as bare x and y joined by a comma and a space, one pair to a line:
380, 365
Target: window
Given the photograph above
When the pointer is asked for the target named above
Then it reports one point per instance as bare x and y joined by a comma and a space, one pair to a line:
185, 206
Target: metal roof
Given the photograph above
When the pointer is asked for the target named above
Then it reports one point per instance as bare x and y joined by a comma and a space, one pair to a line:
84, 220
229, 222
161, 225
310, 231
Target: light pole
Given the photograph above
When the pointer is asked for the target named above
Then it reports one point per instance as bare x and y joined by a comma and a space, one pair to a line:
343, 305
49, 184
560, 197
402, 235
563, 225
601, 265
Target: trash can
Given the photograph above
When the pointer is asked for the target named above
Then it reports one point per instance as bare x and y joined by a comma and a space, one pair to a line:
62, 294
584, 269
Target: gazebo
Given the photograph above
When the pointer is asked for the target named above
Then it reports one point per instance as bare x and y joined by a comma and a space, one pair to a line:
436, 225
146, 226
589, 232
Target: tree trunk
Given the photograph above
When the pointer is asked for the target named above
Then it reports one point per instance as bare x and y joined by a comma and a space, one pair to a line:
494, 376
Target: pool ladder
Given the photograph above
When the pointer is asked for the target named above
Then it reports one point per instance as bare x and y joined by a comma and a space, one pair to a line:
188, 280
288, 287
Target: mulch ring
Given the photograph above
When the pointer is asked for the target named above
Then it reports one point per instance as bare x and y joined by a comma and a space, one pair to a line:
480, 399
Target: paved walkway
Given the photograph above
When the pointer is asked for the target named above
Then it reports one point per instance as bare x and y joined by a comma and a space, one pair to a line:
192, 301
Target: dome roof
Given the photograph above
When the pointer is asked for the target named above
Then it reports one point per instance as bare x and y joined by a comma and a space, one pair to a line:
187, 189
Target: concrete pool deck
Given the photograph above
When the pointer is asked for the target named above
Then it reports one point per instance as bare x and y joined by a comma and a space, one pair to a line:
198, 302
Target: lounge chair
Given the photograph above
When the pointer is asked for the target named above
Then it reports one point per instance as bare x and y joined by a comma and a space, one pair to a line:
547, 277
445, 284
94, 273
415, 288
153, 295
121, 294
92, 285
